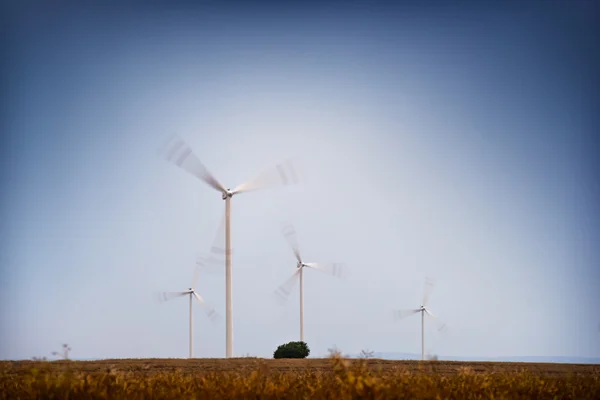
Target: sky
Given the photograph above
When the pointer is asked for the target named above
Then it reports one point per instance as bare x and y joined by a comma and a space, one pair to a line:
456, 141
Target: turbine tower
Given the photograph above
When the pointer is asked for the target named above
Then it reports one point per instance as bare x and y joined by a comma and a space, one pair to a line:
283, 291
210, 312
399, 314
177, 151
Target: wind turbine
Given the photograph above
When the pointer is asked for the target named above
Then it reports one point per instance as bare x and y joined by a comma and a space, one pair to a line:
399, 314
179, 152
284, 290
210, 312
65, 352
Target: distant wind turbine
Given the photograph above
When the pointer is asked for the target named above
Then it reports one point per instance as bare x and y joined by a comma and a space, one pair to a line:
65, 352
179, 153
399, 314
284, 290
210, 312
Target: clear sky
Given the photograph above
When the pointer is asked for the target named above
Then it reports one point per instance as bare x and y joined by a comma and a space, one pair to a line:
447, 139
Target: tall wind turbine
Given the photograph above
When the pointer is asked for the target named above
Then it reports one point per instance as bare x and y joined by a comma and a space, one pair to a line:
399, 314
284, 173
283, 291
191, 292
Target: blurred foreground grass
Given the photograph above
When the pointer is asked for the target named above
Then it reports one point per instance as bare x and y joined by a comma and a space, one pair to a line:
334, 378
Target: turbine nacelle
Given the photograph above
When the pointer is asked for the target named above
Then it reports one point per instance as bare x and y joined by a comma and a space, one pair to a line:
300, 264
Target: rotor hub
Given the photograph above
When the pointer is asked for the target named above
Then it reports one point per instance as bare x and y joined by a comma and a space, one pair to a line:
299, 265
227, 193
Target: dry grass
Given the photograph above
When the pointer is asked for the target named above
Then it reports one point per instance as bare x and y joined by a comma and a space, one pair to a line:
295, 379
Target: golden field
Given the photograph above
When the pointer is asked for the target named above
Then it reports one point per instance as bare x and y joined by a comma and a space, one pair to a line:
333, 378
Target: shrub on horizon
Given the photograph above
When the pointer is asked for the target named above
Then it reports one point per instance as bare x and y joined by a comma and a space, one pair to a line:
292, 350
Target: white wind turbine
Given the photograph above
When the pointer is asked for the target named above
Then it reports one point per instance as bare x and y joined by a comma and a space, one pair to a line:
180, 153
399, 314
210, 312
284, 290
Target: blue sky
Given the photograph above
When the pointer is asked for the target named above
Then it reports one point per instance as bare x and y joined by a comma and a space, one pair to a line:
452, 141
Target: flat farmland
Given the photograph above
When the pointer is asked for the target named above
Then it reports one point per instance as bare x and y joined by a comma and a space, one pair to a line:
201, 365
296, 379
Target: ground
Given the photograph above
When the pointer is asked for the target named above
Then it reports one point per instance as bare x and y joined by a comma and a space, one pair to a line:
333, 378
153, 365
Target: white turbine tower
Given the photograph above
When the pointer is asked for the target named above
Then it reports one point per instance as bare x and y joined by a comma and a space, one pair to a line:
284, 173
399, 314
283, 291
210, 312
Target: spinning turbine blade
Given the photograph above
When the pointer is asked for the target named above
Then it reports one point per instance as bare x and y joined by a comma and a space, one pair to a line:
213, 316
283, 174
399, 314
218, 249
206, 263
179, 153
334, 269
441, 326
288, 231
166, 296
430, 313
429, 284
283, 291
213, 261
196, 276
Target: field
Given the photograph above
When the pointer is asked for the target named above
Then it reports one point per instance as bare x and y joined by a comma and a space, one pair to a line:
333, 378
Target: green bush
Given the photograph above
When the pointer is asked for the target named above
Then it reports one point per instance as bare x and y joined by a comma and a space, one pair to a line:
292, 350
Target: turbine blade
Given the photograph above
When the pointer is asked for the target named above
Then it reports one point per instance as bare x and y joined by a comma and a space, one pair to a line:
400, 314
283, 291
196, 275
178, 152
289, 233
213, 262
284, 173
430, 313
428, 288
206, 264
161, 297
211, 313
440, 325
218, 248
335, 269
